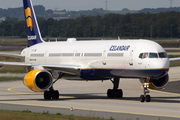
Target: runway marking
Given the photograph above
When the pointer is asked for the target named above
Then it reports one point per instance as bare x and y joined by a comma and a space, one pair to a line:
98, 110
125, 112
9, 89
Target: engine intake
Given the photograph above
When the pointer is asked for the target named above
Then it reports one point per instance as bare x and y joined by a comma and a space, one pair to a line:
160, 83
38, 80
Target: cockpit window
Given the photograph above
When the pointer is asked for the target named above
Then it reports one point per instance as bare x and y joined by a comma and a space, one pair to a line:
145, 55
141, 55
153, 55
162, 55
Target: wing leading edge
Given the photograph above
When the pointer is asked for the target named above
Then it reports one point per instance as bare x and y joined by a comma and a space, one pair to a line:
69, 69
174, 59
12, 55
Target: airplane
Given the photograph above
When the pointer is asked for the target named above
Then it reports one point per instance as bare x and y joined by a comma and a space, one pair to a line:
89, 60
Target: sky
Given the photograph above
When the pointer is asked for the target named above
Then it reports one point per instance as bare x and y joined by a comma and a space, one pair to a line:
77, 5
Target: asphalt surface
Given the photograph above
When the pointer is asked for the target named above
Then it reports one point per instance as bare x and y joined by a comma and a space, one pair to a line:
89, 99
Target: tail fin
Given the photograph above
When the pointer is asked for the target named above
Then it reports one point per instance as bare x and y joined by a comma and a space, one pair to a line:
32, 28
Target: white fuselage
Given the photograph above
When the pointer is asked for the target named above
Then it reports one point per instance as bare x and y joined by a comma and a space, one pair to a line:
112, 58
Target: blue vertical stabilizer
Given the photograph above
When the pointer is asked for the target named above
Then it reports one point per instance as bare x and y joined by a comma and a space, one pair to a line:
32, 28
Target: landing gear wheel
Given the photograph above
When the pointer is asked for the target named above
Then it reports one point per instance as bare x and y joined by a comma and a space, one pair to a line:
110, 93
120, 93
47, 95
142, 98
55, 95
51, 94
148, 98
114, 93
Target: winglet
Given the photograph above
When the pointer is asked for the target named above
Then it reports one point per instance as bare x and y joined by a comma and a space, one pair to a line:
32, 28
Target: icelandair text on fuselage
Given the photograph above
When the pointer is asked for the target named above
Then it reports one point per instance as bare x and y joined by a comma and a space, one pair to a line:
119, 48
31, 37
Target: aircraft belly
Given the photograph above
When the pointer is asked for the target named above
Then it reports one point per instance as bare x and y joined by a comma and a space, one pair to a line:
96, 74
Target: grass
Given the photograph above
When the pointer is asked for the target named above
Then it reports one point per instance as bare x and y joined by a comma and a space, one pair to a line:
173, 56
45, 115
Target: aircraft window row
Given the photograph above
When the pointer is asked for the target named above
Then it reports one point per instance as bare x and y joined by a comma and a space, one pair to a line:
55, 54
77, 54
37, 55
61, 54
92, 54
153, 55
115, 54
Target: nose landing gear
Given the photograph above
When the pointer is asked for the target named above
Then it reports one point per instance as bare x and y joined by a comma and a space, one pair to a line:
145, 97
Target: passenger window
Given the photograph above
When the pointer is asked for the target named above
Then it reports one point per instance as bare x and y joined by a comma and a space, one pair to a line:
145, 55
141, 55
153, 55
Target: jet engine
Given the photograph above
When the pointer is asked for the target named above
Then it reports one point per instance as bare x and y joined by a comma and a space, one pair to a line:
38, 80
157, 84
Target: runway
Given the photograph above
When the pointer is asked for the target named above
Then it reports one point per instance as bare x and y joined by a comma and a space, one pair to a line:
89, 99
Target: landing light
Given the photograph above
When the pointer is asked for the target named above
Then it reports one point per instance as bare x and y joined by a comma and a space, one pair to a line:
146, 85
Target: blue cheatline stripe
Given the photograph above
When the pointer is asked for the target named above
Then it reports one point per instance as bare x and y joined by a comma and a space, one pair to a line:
96, 74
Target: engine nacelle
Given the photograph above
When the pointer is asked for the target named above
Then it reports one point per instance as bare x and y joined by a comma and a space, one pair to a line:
38, 80
157, 84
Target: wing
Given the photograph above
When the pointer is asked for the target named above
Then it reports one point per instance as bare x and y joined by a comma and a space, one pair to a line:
12, 55
174, 59
69, 69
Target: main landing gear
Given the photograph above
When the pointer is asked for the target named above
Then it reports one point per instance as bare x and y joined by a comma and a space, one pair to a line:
145, 97
115, 92
51, 93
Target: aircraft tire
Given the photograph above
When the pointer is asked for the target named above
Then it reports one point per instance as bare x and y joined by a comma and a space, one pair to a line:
142, 98
110, 93
148, 98
55, 94
47, 95
119, 93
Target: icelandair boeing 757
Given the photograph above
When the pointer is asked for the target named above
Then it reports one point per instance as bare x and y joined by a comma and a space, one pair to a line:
89, 60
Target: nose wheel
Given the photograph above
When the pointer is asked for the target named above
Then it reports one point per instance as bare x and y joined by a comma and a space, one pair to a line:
145, 97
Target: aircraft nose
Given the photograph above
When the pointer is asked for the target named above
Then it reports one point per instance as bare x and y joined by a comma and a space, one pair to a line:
161, 63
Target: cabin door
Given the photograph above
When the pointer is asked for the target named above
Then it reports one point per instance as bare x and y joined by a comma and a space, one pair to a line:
131, 56
104, 55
